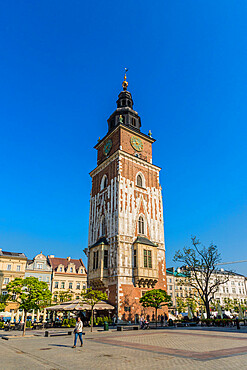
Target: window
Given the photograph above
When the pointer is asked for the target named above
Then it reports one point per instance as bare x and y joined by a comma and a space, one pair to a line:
81, 271
84, 286
105, 259
71, 269
150, 259
47, 279
40, 278
55, 298
70, 285
170, 280
145, 258
6, 280
103, 226
134, 257
61, 269
4, 292
18, 268
62, 285
139, 181
133, 121
104, 182
56, 285
170, 287
8, 267
78, 286
40, 266
95, 259
77, 297
141, 225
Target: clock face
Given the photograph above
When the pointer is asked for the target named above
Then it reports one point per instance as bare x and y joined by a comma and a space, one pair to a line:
107, 147
136, 143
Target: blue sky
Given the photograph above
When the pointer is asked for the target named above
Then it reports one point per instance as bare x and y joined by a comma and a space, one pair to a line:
61, 70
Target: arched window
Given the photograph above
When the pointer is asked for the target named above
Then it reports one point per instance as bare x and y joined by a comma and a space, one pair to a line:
104, 182
139, 181
103, 226
141, 226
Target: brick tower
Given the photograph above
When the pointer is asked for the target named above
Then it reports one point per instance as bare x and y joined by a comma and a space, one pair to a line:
126, 249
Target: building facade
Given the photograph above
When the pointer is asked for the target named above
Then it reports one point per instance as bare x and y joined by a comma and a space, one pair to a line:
12, 265
126, 248
69, 278
40, 268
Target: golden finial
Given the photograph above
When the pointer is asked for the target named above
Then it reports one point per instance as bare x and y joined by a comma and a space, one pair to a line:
125, 83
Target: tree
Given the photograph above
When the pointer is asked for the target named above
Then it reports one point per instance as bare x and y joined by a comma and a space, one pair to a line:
201, 270
155, 298
92, 297
65, 296
3, 301
30, 294
180, 304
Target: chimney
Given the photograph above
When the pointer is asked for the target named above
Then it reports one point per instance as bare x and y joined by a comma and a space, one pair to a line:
68, 258
51, 256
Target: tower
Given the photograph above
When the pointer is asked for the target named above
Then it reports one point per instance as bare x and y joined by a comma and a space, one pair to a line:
126, 249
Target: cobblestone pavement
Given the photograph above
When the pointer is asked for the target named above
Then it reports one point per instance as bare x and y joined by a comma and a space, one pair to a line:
156, 349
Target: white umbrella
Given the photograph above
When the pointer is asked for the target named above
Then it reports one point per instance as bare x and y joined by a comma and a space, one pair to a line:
5, 314
219, 311
12, 316
32, 319
38, 316
240, 315
190, 314
44, 315
22, 317
17, 316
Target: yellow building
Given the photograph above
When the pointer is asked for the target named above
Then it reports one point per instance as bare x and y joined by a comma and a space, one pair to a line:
12, 265
68, 275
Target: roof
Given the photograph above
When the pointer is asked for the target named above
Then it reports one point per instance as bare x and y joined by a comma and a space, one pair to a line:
102, 240
12, 254
143, 240
56, 261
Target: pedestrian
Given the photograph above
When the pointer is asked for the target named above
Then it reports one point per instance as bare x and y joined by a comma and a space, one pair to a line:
78, 332
141, 322
162, 320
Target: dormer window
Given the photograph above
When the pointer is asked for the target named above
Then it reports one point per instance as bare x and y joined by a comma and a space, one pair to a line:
61, 269
71, 269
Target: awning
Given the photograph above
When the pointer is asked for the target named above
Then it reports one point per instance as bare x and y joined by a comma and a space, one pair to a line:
80, 306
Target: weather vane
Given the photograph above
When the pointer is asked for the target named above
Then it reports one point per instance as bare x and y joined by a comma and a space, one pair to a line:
125, 83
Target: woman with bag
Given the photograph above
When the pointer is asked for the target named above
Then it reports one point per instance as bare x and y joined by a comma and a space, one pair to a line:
78, 332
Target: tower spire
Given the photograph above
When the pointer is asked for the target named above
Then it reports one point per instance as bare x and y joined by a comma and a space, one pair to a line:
125, 83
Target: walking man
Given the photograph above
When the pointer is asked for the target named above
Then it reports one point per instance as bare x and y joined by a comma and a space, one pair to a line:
78, 332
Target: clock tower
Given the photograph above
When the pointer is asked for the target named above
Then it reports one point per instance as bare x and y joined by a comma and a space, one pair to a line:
126, 249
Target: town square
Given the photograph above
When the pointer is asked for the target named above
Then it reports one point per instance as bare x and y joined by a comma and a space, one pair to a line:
123, 193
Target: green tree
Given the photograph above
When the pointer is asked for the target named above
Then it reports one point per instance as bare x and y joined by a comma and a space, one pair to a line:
201, 270
92, 297
192, 303
155, 298
228, 304
3, 301
30, 294
180, 304
65, 296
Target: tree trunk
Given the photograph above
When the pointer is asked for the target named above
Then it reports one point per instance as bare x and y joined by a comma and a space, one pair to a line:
92, 320
25, 324
156, 310
207, 308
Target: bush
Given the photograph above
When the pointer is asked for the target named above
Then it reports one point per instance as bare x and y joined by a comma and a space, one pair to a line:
72, 322
29, 324
66, 323
1, 325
